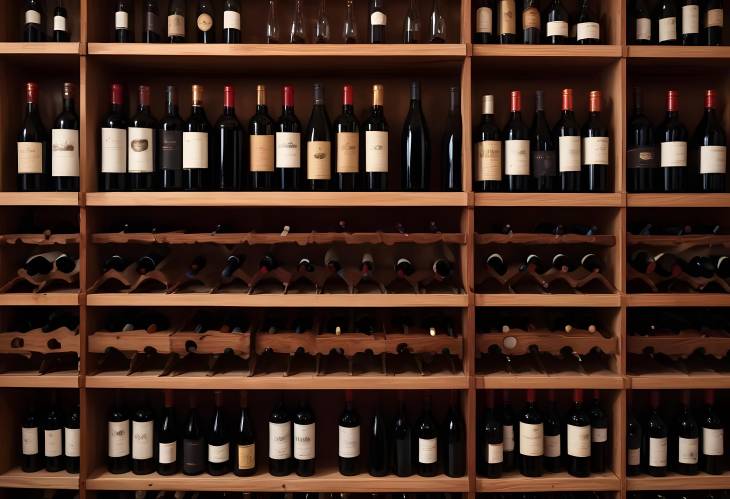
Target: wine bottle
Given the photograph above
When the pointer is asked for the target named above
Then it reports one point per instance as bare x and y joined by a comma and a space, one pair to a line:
32, 145
713, 443
517, 148
588, 30
491, 436
347, 133
427, 435
595, 147
642, 23
349, 438
218, 441
403, 441
642, 155
488, 150
673, 136
378, 21
304, 439
557, 29
552, 431
319, 144
349, 28
712, 144
141, 145
508, 432
288, 145
454, 440
690, 22
722, 266
280, 441
296, 30
437, 24
668, 265
542, 149
122, 30
149, 262
569, 145
32, 439
642, 262
700, 266
167, 438
244, 459
53, 437
412, 24
592, 263
143, 438
484, 15
228, 146
118, 441
72, 441
322, 24
599, 435
534, 263
60, 23
152, 22
563, 263
496, 263
507, 22
378, 449
176, 21
655, 441
451, 145
686, 459
667, 15
634, 438
193, 441
33, 27
195, 150
376, 144
272, 24
415, 146
714, 22
578, 431
170, 143
65, 145
231, 21
532, 435
531, 23
261, 144
113, 174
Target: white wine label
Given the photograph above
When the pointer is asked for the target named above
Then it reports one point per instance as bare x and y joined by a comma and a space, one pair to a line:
204, 22
59, 23
118, 438
713, 159
52, 443
634, 458
378, 19
64, 153
489, 160
319, 160
569, 154
690, 19
552, 446
595, 150
261, 153
530, 18
495, 453
30, 157
643, 28
348, 152
175, 25
588, 31
304, 441
599, 435
713, 442
508, 438
579, 441
557, 28
32, 17
218, 453
121, 20
657, 452
673, 154
376, 152
72, 442
246, 457
140, 150
484, 20
288, 145
195, 150
30, 441
507, 17
168, 452
517, 157
232, 20
427, 450
113, 150
715, 18
667, 29
349, 442
688, 450
279, 440
531, 439
143, 439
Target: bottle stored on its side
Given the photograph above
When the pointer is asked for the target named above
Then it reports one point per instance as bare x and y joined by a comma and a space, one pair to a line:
195, 150
690, 22
531, 434
415, 146
141, 145
167, 438
288, 145
375, 140
305, 442
531, 23
33, 153
53, 436
667, 18
65, 145
319, 144
488, 150
218, 441
517, 148
72, 440
113, 174
673, 136
484, 19
228, 146
349, 438
377, 21
712, 144
347, 144
33, 30
578, 445
170, 143
451, 145
642, 157
122, 29
654, 449
60, 23
542, 149
244, 456
596, 147
232, 21
176, 21
261, 144
32, 439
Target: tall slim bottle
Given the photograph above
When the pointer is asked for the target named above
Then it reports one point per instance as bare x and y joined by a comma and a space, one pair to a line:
517, 148
261, 144
375, 150
569, 157
288, 145
228, 146
642, 156
487, 150
65, 145
347, 144
415, 146
244, 455
170, 143
596, 147
195, 151
451, 145
113, 175
712, 144
673, 136
176, 21
167, 438
152, 22
319, 144
542, 149
141, 145
32, 145
231, 21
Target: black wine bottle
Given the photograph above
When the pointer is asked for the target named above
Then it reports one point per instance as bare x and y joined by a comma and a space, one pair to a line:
508, 420
228, 146
557, 28
531, 433
33, 29
72, 440
507, 22
53, 436
713, 443
543, 150
119, 436
167, 438
60, 23
578, 432
403, 441
710, 140
487, 150
349, 438
244, 457
427, 434
377, 21
552, 431
113, 175
195, 150
596, 147
654, 452
65, 145
32, 145
280, 441
141, 145
378, 453
32, 440
673, 136
151, 33
415, 146
193, 442
454, 440
642, 34
569, 146
288, 145
634, 437
492, 443
714, 23
347, 144
375, 131
318, 136
143, 440
517, 148
599, 435
687, 431
667, 15
231, 21
122, 29
261, 144
170, 143
218, 440
690, 22
305, 443
531, 23
588, 30
484, 15
642, 157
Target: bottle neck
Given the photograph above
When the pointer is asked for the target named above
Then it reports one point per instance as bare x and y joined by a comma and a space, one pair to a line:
197, 109
229, 110
143, 108
348, 109
31, 107
117, 108
261, 109
68, 104
172, 108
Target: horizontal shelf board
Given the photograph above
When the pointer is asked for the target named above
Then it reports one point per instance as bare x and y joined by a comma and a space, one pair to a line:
39, 199
677, 381
540, 300
703, 481
55, 299
15, 478
40, 48
302, 239
558, 51
298, 199
308, 381
326, 479
545, 239
275, 300
678, 200
550, 482
678, 300
542, 382
67, 379
688, 240
560, 200
670, 52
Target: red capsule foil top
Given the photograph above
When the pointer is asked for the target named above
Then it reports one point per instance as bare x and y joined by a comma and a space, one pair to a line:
567, 99
31, 92
229, 96
144, 95
117, 94
516, 101
672, 101
594, 101
710, 99
347, 95
288, 96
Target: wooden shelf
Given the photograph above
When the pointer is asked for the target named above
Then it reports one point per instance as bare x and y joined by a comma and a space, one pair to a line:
278, 300
39, 199
678, 300
40, 48
544, 382
678, 200
703, 481
68, 379
567, 52
17, 479
674, 381
277, 199
689, 240
546, 300
59, 299
500, 199
545, 239
550, 482
669, 52
326, 479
